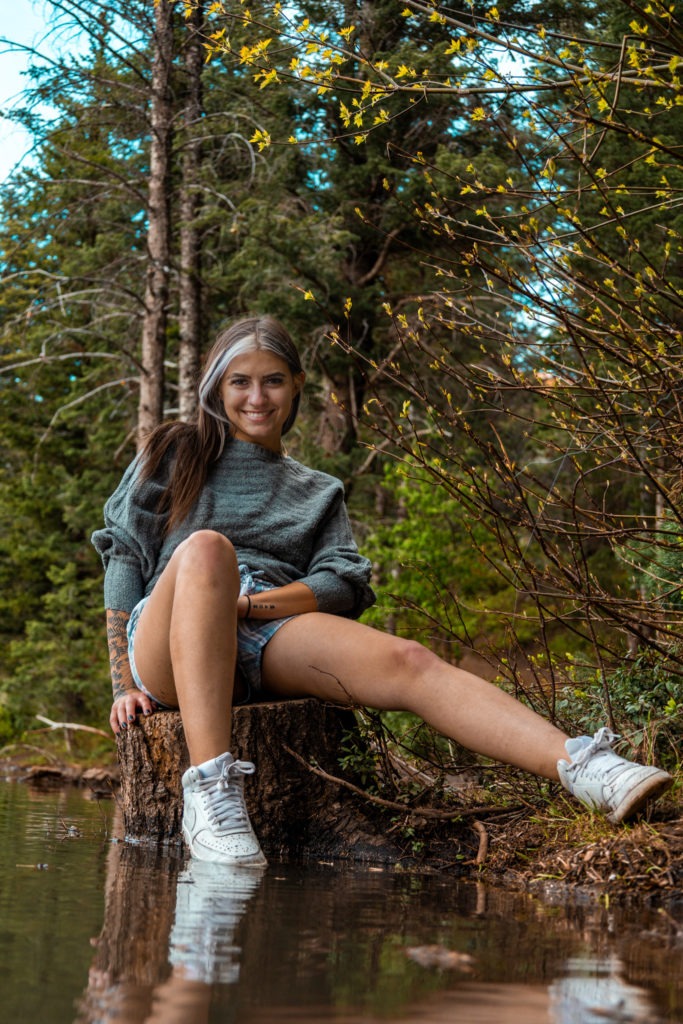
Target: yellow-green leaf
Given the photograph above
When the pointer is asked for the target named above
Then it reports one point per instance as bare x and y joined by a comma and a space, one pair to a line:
261, 138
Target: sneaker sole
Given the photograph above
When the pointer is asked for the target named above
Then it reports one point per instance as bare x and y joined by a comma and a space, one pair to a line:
256, 860
649, 789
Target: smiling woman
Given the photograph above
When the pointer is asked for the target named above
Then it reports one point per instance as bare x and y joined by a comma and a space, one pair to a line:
231, 570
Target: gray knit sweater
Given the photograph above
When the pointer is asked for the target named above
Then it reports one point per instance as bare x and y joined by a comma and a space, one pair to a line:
283, 518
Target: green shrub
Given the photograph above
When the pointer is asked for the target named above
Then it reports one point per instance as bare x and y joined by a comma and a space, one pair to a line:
645, 698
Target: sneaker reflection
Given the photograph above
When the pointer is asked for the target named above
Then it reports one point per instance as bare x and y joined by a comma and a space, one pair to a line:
594, 991
211, 900
168, 932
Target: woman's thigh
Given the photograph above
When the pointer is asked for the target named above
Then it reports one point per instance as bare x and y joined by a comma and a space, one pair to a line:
152, 640
205, 557
338, 659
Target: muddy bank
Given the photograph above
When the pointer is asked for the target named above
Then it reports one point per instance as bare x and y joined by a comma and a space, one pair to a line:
102, 780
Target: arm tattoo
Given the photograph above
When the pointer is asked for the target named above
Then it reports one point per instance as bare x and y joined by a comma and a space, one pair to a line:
117, 639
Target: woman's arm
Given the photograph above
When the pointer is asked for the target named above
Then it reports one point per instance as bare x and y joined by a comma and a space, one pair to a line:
292, 599
128, 699
132, 537
337, 574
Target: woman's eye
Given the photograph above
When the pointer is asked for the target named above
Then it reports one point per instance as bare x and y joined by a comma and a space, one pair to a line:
268, 382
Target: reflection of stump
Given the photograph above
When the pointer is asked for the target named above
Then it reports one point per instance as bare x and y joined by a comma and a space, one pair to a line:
294, 811
139, 903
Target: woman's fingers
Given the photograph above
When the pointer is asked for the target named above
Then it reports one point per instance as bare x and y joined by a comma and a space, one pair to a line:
125, 708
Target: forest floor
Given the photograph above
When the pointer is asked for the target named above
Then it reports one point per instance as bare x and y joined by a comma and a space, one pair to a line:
556, 845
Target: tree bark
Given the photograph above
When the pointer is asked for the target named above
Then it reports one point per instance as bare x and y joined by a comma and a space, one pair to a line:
153, 347
295, 813
190, 319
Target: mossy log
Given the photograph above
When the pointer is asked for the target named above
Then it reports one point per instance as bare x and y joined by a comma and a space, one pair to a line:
295, 812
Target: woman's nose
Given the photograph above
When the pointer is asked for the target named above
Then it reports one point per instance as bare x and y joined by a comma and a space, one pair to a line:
256, 394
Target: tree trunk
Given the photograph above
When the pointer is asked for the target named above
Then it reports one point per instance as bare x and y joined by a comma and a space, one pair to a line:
337, 430
294, 811
151, 401
190, 319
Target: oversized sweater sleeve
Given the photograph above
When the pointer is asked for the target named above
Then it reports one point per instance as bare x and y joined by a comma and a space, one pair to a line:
338, 574
130, 542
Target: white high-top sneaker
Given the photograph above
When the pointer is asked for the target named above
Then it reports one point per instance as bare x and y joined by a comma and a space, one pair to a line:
216, 825
607, 783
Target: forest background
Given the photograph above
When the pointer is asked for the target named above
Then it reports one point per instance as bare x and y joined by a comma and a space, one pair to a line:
469, 216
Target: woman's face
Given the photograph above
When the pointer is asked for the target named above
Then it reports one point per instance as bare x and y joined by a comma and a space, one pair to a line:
257, 391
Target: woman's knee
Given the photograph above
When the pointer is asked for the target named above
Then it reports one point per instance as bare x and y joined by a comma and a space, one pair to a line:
411, 663
209, 555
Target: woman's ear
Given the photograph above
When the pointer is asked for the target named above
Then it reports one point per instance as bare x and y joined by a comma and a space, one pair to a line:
299, 381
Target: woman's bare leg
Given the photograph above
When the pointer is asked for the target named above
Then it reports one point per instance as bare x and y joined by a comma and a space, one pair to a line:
347, 662
185, 643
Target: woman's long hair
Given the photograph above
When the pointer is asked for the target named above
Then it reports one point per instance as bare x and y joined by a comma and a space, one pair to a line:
193, 447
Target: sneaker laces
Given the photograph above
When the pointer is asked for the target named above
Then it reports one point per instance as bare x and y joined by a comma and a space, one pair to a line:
224, 797
601, 741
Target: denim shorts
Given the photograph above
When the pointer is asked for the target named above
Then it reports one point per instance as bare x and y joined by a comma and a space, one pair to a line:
252, 637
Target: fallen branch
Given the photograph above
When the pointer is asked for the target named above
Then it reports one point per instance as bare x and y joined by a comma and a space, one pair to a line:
73, 725
394, 805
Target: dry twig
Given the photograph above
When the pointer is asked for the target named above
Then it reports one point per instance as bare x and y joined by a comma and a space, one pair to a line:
393, 805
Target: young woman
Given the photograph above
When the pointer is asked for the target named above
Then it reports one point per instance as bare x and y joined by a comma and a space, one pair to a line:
230, 567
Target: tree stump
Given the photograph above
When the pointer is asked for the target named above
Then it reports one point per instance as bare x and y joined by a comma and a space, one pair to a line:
295, 812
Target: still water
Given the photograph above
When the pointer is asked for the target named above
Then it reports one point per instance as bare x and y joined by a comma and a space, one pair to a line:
96, 930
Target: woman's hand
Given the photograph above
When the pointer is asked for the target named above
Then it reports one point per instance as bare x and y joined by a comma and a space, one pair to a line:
126, 707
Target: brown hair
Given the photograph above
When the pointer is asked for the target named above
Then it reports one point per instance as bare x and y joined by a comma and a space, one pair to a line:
195, 446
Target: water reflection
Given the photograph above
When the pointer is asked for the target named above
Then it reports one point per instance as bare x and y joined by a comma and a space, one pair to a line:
594, 990
194, 944
131, 951
210, 902
170, 932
